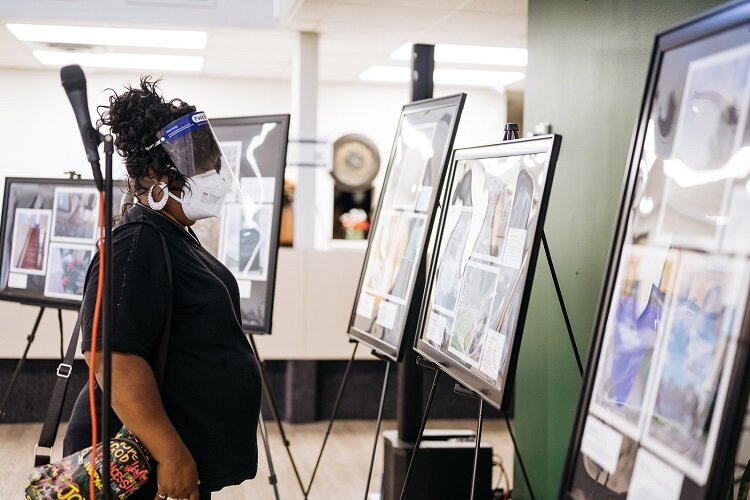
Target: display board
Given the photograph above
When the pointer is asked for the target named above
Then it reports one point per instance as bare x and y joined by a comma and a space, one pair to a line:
483, 263
48, 233
245, 238
385, 296
666, 386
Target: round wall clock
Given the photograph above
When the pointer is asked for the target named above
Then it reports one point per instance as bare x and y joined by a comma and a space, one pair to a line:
356, 162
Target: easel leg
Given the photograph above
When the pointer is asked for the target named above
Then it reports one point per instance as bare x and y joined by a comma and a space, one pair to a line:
562, 304
412, 460
477, 446
377, 428
275, 411
29, 341
518, 456
266, 446
333, 416
62, 339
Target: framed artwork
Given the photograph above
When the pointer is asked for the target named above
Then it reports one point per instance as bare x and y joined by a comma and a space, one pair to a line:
245, 237
482, 266
47, 237
68, 263
665, 393
389, 291
31, 228
75, 214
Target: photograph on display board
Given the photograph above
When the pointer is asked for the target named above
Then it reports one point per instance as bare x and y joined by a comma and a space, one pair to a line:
40, 217
421, 148
245, 240
480, 275
75, 216
661, 409
699, 345
31, 230
413, 157
245, 236
635, 328
710, 124
68, 264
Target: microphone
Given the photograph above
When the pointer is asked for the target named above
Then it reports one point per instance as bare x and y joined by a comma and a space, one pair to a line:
74, 83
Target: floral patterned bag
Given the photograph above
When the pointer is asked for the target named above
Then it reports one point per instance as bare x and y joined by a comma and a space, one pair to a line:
130, 467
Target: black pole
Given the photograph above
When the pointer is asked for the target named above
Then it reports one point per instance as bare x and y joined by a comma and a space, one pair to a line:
415, 450
477, 446
29, 341
409, 393
422, 67
377, 427
107, 316
335, 410
562, 304
275, 410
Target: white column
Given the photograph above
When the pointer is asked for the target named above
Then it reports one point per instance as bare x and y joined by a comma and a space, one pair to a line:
313, 195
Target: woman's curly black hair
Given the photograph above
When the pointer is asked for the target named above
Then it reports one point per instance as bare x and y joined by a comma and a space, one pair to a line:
135, 116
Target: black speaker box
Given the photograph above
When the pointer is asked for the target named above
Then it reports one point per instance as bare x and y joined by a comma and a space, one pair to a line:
442, 470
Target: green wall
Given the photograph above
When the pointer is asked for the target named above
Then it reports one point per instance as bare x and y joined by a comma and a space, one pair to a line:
587, 68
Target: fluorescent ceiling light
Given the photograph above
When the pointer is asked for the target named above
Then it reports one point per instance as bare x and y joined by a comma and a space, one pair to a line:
469, 54
161, 62
497, 79
385, 74
115, 37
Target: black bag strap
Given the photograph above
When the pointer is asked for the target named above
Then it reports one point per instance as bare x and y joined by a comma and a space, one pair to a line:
43, 450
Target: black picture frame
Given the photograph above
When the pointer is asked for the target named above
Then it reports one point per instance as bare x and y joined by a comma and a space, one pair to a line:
43, 189
705, 28
449, 362
395, 351
272, 164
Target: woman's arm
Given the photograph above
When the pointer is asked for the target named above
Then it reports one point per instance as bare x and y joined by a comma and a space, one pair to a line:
137, 402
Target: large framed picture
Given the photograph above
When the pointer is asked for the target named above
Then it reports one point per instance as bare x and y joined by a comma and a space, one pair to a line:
482, 265
665, 391
388, 295
48, 235
245, 237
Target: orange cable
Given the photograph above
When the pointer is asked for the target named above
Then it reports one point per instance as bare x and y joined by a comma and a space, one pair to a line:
92, 364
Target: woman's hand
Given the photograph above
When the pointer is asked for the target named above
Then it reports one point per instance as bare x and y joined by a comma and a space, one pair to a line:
177, 478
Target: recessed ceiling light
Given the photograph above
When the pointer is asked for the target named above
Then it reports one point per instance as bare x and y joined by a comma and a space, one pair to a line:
115, 37
161, 62
480, 78
469, 54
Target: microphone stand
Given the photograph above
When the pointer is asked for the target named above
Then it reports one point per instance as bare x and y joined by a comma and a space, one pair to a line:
107, 316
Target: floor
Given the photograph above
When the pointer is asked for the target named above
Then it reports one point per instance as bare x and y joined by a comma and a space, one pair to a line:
342, 472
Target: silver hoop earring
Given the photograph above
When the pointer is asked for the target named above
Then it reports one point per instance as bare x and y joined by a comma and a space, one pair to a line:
157, 205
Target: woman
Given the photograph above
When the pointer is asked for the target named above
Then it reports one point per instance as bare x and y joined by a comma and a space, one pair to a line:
200, 426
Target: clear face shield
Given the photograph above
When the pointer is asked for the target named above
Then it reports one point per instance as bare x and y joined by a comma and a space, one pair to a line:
194, 150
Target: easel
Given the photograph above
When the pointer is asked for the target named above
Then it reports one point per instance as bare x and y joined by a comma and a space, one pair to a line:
511, 132
30, 340
277, 417
334, 412
73, 175
383, 390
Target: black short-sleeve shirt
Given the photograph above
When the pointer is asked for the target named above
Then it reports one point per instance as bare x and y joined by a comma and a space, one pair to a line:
212, 388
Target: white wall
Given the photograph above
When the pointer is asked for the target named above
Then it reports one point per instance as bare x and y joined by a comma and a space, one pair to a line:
40, 139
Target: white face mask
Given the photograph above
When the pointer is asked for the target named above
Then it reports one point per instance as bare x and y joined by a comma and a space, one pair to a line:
202, 196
